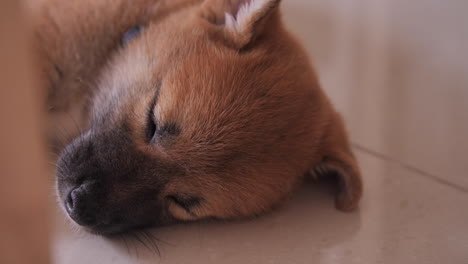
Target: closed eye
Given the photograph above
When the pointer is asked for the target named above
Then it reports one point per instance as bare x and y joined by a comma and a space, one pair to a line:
151, 127
154, 130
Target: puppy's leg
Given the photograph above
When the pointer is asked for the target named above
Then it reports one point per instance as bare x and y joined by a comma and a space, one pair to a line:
339, 161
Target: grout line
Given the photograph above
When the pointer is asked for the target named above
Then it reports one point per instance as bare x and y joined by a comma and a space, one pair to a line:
410, 168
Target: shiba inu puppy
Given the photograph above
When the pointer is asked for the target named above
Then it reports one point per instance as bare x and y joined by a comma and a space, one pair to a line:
190, 109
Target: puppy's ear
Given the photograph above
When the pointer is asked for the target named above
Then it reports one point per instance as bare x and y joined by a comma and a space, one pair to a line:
338, 161
240, 21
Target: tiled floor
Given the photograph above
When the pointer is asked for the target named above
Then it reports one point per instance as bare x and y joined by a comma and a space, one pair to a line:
398, 71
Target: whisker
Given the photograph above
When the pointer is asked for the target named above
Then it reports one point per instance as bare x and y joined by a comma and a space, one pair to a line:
78, 128
61, 139
151, 241
135, 237
142, 240
159, 240
122, 237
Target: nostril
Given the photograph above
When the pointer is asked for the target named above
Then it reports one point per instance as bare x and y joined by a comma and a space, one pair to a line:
72, 200
69, 204
79, 206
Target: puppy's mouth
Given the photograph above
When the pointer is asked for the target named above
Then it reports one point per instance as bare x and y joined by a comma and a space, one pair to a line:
80, 205
110, 230
113, 228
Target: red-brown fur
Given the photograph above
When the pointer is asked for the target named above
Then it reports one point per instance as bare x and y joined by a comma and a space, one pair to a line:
254, 118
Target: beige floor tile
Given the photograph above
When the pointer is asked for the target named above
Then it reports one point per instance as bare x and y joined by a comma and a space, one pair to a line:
398, 70
404, 218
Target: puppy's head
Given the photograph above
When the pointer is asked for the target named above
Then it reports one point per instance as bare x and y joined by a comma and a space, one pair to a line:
209, 111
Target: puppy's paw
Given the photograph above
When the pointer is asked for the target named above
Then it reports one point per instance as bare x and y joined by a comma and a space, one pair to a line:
347, 179
338, 161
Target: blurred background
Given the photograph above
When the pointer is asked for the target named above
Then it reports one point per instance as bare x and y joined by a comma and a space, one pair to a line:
398, 72
24, 189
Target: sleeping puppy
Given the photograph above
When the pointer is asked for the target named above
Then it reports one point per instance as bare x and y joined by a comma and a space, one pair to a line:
188, 109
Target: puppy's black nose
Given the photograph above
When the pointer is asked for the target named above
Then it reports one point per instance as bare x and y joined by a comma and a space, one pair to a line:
80, 207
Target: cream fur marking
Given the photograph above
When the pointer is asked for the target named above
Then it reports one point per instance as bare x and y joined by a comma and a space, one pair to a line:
246, 10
